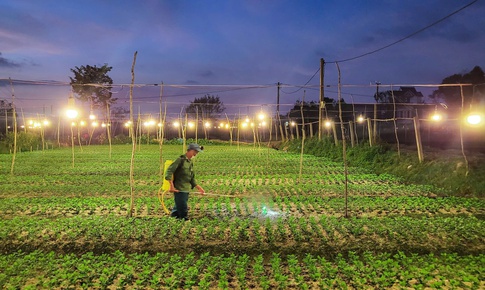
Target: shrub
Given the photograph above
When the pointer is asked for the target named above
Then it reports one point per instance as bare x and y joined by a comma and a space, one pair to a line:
26, 141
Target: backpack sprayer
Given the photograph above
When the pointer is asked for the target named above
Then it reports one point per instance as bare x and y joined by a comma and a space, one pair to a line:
166, 188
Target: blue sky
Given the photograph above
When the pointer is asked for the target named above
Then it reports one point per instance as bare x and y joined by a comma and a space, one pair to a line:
235, 43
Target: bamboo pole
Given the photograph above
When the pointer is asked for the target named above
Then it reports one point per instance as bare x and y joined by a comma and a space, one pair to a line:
23, 119
108, 127
238, 128
42, 137
14, 112
417, 133
133, 141
284, 137
321, 103
344, 144
352, 136
79, 136
369, 132
302, 138
138, 131
334, 130
353, 124
59, 131
6, 121
269, 141
161, 135
196, 124
395, 125
72, 144
374, 127
204, 124
184, 133
297, 130
254, 135
230, 130
461, 131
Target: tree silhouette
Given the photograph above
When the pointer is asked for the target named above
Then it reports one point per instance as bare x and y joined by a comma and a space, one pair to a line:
206, 107
92, 84
472, 94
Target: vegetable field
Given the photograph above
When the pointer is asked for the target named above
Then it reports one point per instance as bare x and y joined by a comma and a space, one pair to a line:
65, 225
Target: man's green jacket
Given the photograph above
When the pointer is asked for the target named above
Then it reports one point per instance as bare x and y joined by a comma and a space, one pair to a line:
183, 174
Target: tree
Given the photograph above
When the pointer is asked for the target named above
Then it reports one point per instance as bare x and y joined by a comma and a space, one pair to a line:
92, 84
403, 95
6, 113
5, 107
205, 107
472, 94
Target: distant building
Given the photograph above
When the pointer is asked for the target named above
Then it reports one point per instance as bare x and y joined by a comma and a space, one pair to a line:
408, 95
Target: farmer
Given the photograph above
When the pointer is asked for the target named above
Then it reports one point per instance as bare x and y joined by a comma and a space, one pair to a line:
183, 180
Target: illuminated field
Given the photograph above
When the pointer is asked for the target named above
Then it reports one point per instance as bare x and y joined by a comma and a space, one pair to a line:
65, 226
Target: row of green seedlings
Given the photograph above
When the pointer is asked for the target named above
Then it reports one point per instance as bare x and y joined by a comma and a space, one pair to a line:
248, 206
336, 206
307, 189
207, 271
393, 233
147, 206
271, 178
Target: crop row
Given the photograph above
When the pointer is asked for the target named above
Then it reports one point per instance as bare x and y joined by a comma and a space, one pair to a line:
206, 271
288, 234
51, 174
120, 188
207, 206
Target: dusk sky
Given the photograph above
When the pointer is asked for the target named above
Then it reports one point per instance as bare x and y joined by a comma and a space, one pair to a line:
235, 44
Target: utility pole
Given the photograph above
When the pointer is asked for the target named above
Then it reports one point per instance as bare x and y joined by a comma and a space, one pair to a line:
321, 103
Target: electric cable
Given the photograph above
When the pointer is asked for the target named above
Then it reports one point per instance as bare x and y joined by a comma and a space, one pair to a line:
303, 85
408, 36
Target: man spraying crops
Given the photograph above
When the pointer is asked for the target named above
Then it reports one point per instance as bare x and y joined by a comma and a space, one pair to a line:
183, 180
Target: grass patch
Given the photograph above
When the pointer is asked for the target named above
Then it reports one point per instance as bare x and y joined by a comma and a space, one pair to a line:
443, 169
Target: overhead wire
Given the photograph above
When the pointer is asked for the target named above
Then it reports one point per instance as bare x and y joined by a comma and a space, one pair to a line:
388, 45
304, 84
408, 36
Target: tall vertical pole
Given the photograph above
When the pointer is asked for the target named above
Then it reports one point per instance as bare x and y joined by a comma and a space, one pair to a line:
14, 115
133, 141
322, 102
160, 134
419, 144
374, 133
278, 110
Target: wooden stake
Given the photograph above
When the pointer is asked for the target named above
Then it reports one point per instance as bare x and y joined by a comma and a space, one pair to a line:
461, 131
161, 135
417, 133
302, 138
395, 125
14, 154
369, 131
334, 130
352, 136
344, 144
133, 141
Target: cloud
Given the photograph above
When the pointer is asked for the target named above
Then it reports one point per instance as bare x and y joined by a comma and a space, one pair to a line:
207, 74
4, 62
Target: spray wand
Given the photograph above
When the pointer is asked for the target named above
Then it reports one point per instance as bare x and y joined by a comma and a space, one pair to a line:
214, 194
